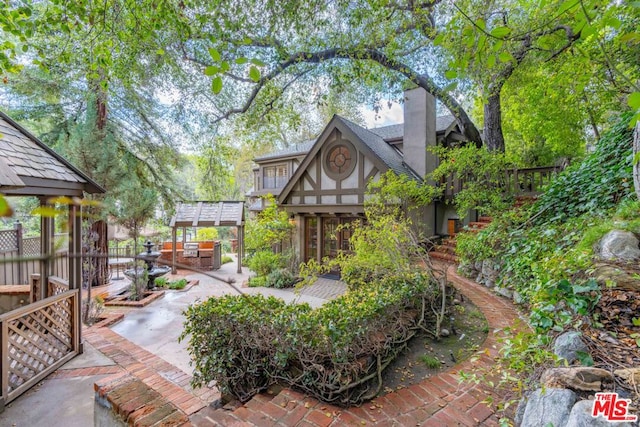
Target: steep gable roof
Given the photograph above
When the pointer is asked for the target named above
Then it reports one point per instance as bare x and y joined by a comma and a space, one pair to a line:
380, 152
379, 147
395, 132
32, 168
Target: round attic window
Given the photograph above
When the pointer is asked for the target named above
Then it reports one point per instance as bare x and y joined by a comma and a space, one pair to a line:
340, 159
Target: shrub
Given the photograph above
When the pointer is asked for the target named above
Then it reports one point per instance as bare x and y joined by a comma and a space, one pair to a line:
161, 282
257, 281
264, 262
178, 284
335, 353
226, 259
280, 278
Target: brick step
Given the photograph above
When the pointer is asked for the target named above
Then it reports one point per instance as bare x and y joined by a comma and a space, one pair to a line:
485, 219
447, 249
477, 224
443, 256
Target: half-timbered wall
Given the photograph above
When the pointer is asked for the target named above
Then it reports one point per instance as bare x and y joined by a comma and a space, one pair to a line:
343, 187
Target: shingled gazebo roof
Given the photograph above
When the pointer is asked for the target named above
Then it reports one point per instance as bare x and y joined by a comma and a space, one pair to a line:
208, 214
28, 167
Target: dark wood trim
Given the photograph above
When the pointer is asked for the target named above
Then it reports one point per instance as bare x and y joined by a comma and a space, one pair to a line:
361, 182
345, 191
319, 173
371, 174
310, 180
326, 209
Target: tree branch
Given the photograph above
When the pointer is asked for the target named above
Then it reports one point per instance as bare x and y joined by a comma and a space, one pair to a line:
424, 81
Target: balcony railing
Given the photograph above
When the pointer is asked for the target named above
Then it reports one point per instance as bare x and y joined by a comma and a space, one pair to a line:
517, 182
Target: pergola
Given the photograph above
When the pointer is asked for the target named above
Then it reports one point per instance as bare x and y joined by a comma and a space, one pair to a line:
30, 168
208, 214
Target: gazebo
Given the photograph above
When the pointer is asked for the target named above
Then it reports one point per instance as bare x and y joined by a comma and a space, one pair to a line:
38, 338
208, 214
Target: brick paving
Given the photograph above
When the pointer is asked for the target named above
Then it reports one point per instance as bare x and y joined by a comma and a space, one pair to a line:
169, 381
441, 400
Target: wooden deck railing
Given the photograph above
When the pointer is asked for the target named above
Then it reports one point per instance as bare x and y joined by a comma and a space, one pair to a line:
517, 182
529, 181
36, 340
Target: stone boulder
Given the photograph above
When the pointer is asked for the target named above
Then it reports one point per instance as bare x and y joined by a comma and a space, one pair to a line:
551, 407
630, 375
581, 417
618, 245
581, 378
568, 345
606, 274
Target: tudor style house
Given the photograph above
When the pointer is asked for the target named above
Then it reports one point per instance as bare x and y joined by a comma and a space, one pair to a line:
322, 183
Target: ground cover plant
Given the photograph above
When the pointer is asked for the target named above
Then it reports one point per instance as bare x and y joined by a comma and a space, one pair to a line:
544, 253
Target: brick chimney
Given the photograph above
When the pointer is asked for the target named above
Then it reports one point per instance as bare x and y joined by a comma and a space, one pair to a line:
419, 130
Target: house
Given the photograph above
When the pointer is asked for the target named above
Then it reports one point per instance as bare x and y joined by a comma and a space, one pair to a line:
322, 183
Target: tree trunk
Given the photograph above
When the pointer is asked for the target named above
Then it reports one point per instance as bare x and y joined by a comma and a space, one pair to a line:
101, 251
636, 158
493, 137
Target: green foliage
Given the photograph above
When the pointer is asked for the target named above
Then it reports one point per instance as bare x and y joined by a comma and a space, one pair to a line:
280, 278
269, 228
557, 304
388, 242
226, 259
544, 252
429, 361
245, 343
264, 262
178, 284
206, 234
483, 174
161, 282
595, 185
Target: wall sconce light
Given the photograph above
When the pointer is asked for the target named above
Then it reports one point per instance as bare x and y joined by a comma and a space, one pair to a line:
292, 220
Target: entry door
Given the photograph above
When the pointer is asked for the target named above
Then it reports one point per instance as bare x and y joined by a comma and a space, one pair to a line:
335, 240
311, 238
330, 237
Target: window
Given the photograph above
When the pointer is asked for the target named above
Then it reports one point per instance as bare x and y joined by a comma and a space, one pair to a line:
275, 176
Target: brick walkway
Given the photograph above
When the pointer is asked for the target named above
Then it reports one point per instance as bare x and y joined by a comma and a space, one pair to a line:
438, 401
169, 381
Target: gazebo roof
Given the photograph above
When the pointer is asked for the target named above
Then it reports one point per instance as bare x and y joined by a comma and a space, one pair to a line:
28, 167
208, 214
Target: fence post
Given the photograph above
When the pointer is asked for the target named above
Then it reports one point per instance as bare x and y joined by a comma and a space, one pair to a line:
4, 362
20, 247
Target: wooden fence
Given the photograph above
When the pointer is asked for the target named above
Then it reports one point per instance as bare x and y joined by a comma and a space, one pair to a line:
37, 339
20, 257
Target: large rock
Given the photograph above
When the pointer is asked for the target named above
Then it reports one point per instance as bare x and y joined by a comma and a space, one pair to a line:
490, 271
581, 417
630, 375
607, 274
581, 378
568, 345
551, 407
618, 244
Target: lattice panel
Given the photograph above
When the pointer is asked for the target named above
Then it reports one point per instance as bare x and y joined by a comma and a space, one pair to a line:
56, 288
31, 246
38, 340
8, 240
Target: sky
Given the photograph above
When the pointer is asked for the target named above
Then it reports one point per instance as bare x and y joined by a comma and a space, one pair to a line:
385, 116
